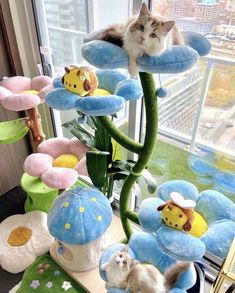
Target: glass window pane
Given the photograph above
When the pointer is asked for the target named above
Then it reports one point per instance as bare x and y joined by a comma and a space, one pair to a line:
180, 115
217, 125
213, 18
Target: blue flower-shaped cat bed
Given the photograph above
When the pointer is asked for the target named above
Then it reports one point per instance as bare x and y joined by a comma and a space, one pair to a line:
79, 219
213, 227
118, 89
176, 59
142, 246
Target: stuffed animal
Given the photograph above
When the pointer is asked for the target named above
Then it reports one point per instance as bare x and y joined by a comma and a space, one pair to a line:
177, 212
80, 80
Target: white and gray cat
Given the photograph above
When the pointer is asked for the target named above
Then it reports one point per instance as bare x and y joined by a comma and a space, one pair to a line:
144, 33
122, 271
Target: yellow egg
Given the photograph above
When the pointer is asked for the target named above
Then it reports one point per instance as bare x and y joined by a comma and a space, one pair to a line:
66, 161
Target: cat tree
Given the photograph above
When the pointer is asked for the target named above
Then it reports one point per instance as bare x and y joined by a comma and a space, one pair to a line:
107, 57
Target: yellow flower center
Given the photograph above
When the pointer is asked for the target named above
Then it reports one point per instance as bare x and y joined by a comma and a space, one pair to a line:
65, 161
19, 236
32, 92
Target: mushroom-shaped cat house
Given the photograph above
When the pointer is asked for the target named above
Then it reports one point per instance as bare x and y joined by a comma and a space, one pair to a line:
79, 219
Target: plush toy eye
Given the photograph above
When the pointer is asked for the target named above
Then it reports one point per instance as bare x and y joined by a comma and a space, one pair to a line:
74, 86
152, 35
120, 255
82, 78
141, 27
124, 262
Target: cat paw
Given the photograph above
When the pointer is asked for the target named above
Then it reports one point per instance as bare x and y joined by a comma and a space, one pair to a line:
133, 71
108, 285
103, 267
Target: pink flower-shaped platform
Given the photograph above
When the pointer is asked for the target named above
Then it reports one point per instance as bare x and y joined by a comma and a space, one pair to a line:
20, 93
42, 164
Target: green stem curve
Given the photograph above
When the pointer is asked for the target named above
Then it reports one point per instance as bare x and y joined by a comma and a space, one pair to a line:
151, 109
120, 137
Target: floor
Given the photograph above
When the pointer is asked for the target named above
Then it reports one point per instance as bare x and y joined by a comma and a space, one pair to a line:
12, 203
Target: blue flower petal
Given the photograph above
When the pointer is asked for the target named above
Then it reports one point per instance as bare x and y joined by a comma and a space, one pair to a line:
149, 218
108, 79
214, 206
197, 42
219, 237
61, 99
180, 245
147, 249
129, 89
173, 60
104, 55
187, 189
57, 83
100, 105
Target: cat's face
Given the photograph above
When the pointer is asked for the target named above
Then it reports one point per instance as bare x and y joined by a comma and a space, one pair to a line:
149, 32
123, 261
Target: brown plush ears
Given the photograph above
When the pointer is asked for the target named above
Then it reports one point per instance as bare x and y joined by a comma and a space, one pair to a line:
161, 207
87, 85
169, 203
187, 226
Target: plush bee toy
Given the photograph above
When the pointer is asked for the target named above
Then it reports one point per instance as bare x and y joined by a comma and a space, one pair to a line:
178, 212
80, 80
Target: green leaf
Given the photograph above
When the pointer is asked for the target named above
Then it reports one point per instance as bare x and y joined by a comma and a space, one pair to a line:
82, 133
97, 165
150, 181
125, 167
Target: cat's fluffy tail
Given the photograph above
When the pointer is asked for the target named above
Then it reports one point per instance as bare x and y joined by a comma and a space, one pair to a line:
173, 273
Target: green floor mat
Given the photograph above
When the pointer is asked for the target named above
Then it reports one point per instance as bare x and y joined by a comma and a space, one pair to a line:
12, 131
45, 275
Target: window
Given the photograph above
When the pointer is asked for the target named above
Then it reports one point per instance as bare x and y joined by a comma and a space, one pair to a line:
197, 119
63, 25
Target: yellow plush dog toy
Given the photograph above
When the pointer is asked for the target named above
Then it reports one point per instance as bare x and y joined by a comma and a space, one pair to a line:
177, 212
80, 80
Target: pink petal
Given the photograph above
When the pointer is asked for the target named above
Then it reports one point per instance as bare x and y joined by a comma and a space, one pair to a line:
20, 102
16, 84
81, 167
54, 146
39, 82
59, 178
36, 164
4, 93
44, 91
78, 148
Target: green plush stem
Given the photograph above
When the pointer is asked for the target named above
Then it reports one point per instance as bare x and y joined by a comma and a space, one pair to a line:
151, 107
120, 137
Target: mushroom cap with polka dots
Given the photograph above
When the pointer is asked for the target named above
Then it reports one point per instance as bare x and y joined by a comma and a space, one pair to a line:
79, 216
